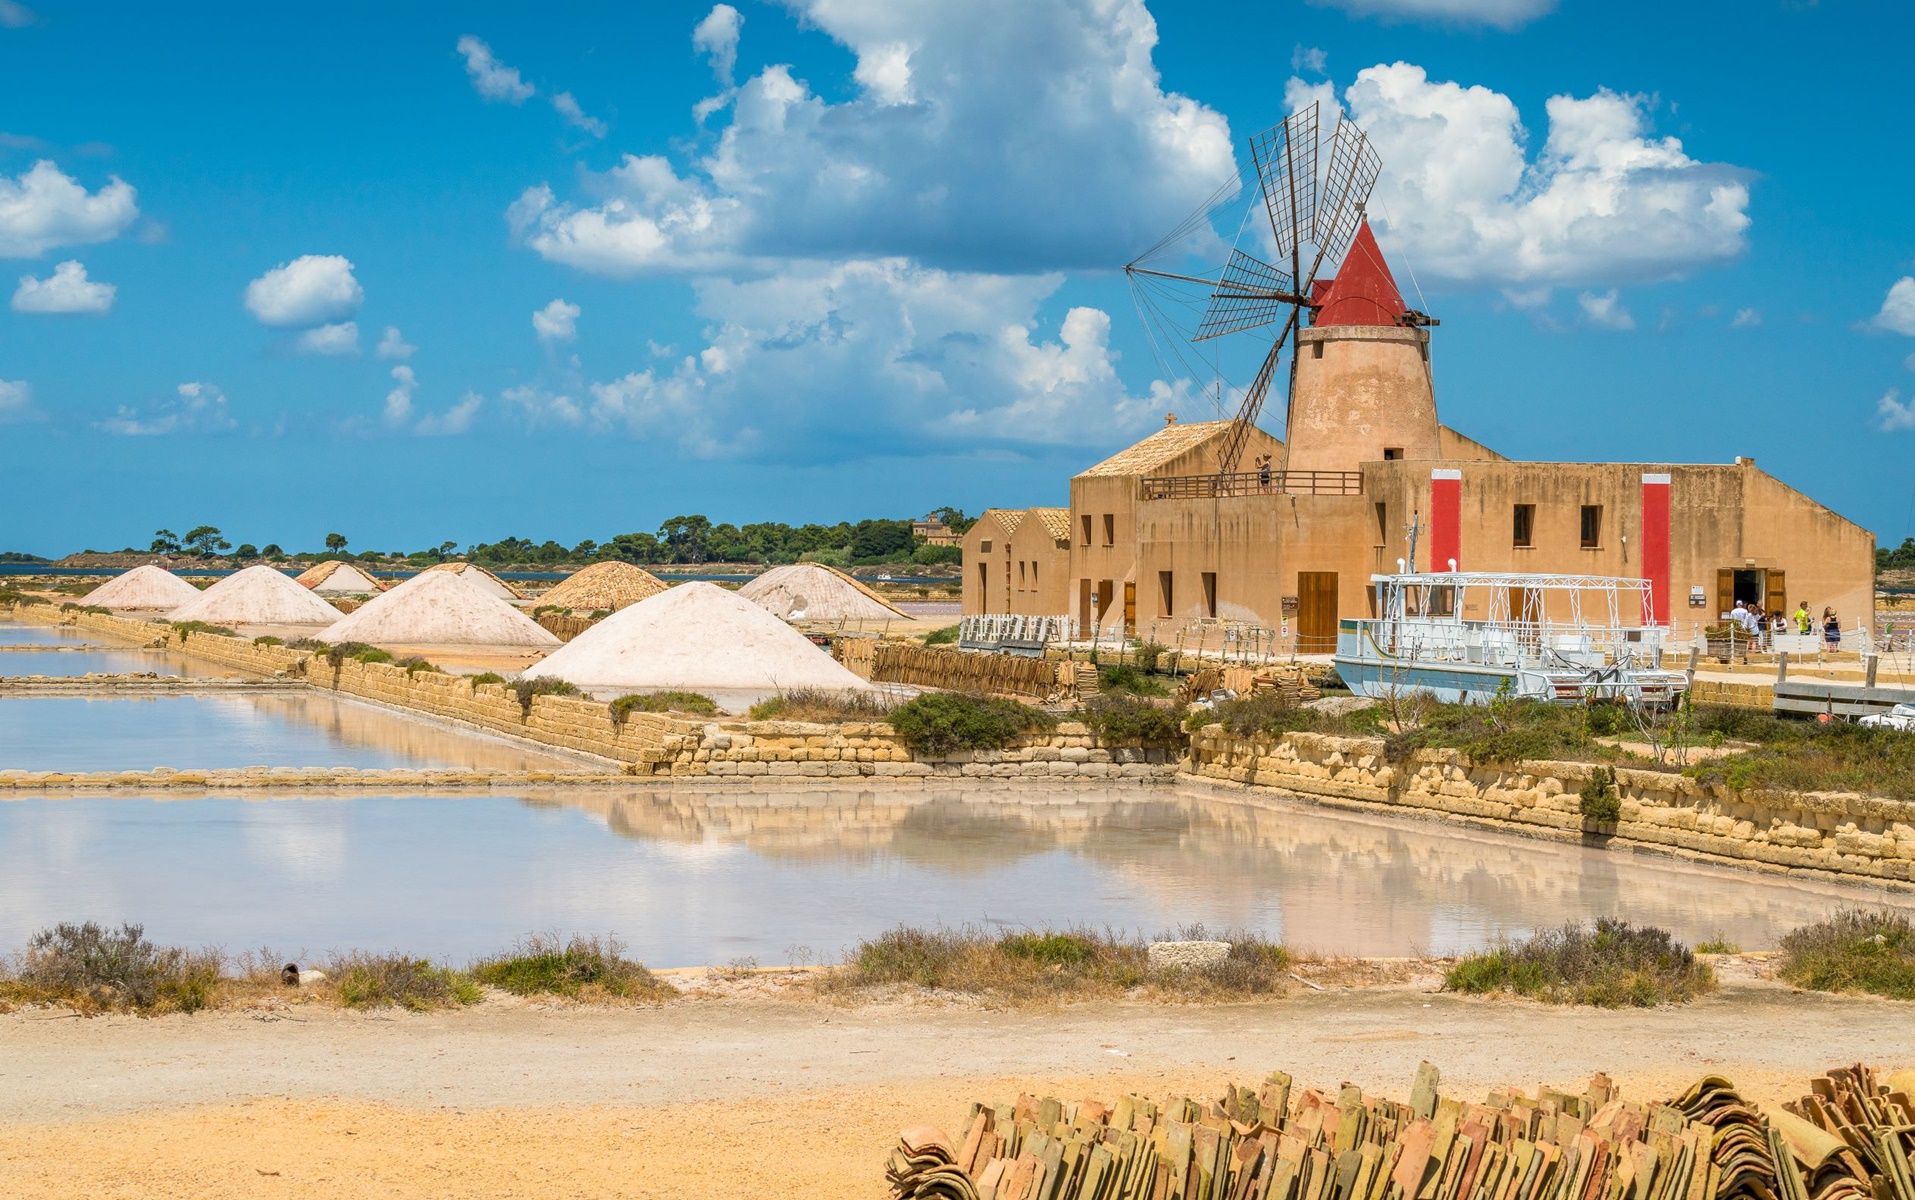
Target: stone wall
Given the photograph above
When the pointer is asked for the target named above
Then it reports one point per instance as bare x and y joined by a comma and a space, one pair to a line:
1835, 832
646, 743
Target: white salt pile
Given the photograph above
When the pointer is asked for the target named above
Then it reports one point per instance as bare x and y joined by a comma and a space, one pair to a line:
335, 578
812, 592
480, 578
438, 608
147, 587
697, 637
257, 596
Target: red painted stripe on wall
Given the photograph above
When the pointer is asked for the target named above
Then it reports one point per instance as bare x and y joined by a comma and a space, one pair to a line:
1446, 521
1655, 545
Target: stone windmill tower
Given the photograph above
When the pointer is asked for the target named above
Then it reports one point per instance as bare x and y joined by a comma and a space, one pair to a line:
1359, 378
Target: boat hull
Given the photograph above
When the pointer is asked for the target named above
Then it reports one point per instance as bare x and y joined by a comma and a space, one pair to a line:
1451, 683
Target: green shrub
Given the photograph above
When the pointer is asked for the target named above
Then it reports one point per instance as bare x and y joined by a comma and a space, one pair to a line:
269, 640
695, 703
1268, 714
1718, 945
394, 980
1612, 965
581, 968
1853, 951
1599, 798
11, 596
1149, 654
360, 652
415, 664
187, 628
94, 969
1130, 679
529, 689
946, 636
1806, 756
1122, 720
823, 705
938, 723
543, 609
487, 677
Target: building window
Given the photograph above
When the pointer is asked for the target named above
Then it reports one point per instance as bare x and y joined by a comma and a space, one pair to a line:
1210, 593
1392, 453
984, 547
1316, 349
1524, 532
1033, 577
1110, 529
1592, 526
987, 545
1021, 585
1166, 599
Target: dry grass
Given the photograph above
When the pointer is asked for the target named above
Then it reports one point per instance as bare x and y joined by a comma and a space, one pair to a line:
92, 970
365, 980
1611, 965
1051, 966
1853, 951
824, 706
582, 969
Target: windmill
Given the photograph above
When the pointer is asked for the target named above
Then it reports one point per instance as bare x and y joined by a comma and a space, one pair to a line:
1314, 209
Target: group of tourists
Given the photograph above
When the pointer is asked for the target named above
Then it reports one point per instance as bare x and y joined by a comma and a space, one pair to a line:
1752, 619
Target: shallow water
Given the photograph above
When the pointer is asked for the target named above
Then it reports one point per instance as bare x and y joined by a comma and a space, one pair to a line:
688, 876
72, 663
38, 635
274, 729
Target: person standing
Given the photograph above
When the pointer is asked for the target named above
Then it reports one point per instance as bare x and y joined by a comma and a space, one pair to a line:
1831, 630
1803, 623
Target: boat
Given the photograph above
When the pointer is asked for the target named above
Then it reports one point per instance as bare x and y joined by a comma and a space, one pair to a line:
1466, 637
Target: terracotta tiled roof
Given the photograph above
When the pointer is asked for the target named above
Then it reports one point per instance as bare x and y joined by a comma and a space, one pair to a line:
1057, 522
1007, 518
1167, 443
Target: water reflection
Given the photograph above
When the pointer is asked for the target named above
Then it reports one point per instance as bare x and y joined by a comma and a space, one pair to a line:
272, 729
68, 664
696, 876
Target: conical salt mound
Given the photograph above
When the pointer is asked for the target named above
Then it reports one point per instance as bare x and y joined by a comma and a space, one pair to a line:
813, 592
257, 596
697, 637
481, 578
144, 587
335, 578
438, 608
612, 585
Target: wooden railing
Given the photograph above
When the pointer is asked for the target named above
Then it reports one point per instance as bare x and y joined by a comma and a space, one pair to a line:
1253, 483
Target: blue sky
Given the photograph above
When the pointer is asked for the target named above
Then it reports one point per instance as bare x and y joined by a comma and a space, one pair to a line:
567, 270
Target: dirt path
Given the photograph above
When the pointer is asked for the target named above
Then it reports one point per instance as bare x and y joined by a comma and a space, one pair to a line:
773, 1097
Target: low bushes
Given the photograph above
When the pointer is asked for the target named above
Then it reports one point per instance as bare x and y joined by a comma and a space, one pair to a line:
364, 980
1268, 714
695, 703
1853, 951
487, 677
1807, 756
360, 652
415, 664
529, 689
93, 969
579, 969
1053, 964
1611, 965
1599, 799
1128, 679
187, 628
946, 636
823, 706
940, 722
1125, 721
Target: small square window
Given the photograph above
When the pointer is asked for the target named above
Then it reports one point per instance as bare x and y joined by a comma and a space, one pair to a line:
1392, 453
1592, 527
1523, 531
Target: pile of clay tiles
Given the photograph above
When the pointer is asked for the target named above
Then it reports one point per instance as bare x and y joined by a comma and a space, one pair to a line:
1849, 1141
1288, 682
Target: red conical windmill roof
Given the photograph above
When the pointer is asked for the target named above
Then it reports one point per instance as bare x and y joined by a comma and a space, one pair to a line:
1364, 292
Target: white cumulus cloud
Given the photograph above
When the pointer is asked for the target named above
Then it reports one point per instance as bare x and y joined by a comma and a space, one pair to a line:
716, 37
394, 346
556, 322
1604, 201
1894, 414
1746, 318
310, 290
991, 135
1499, 14
16, 401
45, 207
199, 407
1898, 308
339, 340
405, 384
1605, 311
491, 78
454, 420
910, 357
567, 106
67, 290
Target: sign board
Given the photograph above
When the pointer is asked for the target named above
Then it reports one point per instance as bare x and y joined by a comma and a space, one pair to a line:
1289, 605
1696, 597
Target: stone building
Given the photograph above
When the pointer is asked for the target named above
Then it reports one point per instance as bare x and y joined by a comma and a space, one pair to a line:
1155, 537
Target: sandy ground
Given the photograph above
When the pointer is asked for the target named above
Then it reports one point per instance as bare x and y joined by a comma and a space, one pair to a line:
775, 1097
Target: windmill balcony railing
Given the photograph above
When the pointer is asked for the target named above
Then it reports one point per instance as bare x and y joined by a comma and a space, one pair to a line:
1253, 483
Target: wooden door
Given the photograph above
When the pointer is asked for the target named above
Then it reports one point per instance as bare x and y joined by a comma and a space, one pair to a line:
1130, 609
1083, 603
1316, 612
1775, 592
1725, 592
